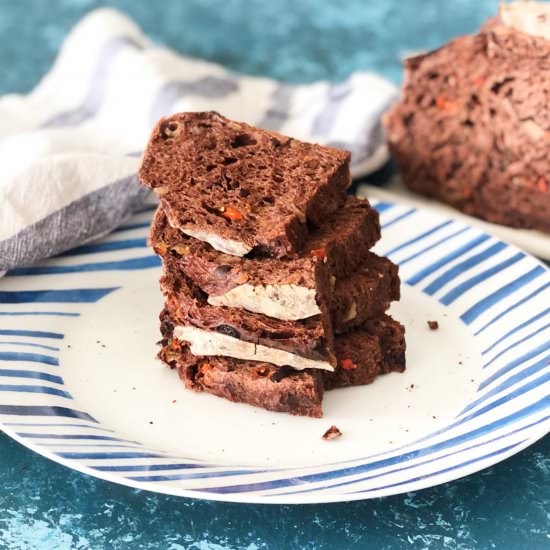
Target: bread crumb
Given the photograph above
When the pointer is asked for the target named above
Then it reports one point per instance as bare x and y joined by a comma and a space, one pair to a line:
332, 433
434, 325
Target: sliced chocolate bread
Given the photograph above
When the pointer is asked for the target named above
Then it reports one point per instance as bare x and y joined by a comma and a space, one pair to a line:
279, 389
240, 332
239, 188
293, 289
218, 330
377, 348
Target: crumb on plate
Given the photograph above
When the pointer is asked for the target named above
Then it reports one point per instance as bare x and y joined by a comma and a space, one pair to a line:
332, 433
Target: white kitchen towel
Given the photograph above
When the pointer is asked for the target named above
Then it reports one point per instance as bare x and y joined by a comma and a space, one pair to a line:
69, 150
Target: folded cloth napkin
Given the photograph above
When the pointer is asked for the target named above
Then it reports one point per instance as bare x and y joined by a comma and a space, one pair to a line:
69, 150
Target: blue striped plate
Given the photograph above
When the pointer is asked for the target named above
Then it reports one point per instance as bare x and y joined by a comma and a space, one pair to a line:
79, 383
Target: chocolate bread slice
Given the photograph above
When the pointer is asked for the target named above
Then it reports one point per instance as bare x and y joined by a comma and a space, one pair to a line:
377, 348
217, 330
305, 343
473, 125
293, 289
366, 294
251, 382
239, 188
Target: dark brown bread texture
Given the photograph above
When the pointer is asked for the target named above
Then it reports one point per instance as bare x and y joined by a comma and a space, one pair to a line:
473, 126
364, 294
255, 383
339, 245
345, 237
216, 273
243, 184
311, 338
377, 348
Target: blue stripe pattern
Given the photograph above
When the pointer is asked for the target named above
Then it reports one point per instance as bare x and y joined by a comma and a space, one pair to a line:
68, 296
201, 475
511, 308
107, 455
76, 437
516, 329
28, 344
123, 265
35, 389
421, 275
508, 409
511, 382
34, 313
399, 218
32, 333
420, 453
475, 311
462, 267
149, 467
35, 410
17, 373
430, 247
517, 343
421, 237
109, 246
30, 357
531, 354
131, 226
462, 288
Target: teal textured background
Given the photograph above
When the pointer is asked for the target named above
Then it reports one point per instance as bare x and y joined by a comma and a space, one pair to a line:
46, 506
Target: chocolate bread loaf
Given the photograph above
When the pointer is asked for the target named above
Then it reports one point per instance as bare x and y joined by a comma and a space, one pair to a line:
240, 188
307, 343
289, 290
364, 295
473, 125
284, 289
377, 348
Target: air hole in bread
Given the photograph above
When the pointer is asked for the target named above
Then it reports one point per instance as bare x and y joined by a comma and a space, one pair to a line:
242, 140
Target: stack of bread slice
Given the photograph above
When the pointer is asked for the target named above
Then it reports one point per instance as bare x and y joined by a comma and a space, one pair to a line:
272, 294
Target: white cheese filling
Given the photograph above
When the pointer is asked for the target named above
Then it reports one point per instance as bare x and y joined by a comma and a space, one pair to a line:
204, 342
228, 246
287, 302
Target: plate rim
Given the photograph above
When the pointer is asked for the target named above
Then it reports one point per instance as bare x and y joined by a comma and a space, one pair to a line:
246, 498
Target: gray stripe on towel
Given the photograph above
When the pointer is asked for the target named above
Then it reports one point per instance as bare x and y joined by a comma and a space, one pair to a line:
210, 87
87, 218
98, 83
336, 98
276, 116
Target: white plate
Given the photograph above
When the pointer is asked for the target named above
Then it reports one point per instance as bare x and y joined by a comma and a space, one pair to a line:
535, 242
80, 385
